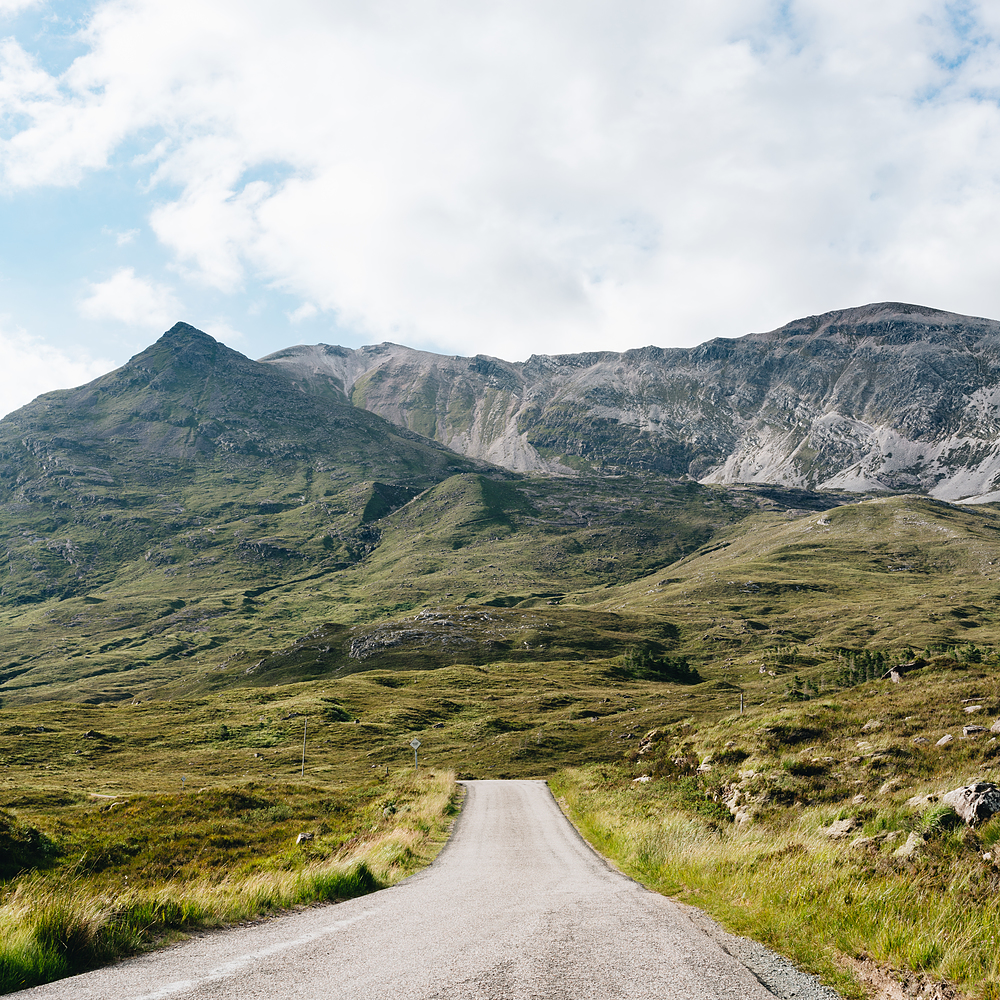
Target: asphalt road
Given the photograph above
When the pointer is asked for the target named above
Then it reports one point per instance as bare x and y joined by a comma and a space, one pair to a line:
516, 906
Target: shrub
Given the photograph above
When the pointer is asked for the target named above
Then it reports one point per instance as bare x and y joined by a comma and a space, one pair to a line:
22, 847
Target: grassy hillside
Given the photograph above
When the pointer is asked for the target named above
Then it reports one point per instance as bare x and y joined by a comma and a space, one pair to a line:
204, 565
234, 583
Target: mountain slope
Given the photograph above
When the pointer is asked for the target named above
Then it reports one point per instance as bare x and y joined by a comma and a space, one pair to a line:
887, 396
185, 436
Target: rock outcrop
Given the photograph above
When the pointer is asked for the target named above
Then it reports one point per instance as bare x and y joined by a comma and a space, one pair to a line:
885, 396
975, 803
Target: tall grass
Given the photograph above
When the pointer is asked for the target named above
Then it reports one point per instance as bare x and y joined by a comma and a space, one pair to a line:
793, 889
53, 926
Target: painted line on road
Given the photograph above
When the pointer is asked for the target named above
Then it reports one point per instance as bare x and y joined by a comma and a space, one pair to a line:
235, 965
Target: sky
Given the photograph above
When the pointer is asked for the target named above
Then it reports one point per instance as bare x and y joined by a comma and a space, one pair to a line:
516, 178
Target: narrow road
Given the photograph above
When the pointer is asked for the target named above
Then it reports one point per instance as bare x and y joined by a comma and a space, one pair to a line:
516, 906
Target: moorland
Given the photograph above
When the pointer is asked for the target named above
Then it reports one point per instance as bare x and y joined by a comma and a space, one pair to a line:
232, 598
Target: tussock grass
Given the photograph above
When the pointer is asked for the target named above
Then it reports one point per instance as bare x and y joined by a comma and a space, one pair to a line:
58, 922
798, 892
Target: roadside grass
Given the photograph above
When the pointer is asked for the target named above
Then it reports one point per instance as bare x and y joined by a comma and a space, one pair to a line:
779, 878
126, 879
139, 821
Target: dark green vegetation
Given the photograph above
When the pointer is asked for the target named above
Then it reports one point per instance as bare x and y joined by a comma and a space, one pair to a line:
201, 555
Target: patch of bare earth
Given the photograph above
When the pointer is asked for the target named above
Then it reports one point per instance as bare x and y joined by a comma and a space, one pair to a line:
886, 983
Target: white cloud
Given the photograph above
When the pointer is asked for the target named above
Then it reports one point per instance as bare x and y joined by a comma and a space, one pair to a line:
305, 311
29, 367
540, 176
136, 302
122, 237
16, 6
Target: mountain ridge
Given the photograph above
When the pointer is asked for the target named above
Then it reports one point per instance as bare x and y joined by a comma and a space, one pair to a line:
887, 396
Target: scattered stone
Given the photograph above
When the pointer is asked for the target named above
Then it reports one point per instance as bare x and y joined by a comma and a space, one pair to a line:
945, 740
890, 786
871, 724
913, 844
648, 741
920, 740
972, 730
859, 799
862, 842
974, 803
643, 778
921, 801
995, 728
302, 837
896, 673
840, 829
969, 709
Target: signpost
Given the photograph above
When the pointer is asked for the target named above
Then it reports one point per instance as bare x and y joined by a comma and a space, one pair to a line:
415, 743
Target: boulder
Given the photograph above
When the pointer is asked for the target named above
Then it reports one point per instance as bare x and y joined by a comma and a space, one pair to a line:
995, 728
840, 829
913, 844
972, 708
920, 740
302, 837
945, 740
972, 730
975, 803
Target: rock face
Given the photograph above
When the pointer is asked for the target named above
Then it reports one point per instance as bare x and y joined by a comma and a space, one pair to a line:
885, 396
974, 803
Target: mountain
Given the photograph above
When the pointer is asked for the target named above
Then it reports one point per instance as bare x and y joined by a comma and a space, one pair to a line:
196, 519
147, 461
888, 396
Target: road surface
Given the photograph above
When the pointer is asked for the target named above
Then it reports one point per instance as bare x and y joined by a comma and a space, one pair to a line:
516, 906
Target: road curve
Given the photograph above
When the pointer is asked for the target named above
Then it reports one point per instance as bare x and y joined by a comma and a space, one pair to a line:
516, 906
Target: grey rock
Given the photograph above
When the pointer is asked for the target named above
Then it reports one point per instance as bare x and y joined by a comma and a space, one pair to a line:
810, 404
945, 740
840, 829
303, 837
972, 730
995, 728
913, 844
975, 803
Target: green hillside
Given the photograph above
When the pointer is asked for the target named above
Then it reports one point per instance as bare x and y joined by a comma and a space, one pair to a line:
203, 560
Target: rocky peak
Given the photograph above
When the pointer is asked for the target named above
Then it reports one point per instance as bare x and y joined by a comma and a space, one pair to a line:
888, 395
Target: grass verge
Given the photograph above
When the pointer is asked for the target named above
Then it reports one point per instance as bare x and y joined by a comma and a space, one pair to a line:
76, 914
789, 886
